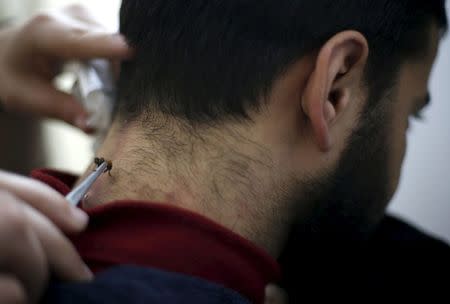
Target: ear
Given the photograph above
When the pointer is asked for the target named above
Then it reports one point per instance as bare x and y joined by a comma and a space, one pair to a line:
339, 67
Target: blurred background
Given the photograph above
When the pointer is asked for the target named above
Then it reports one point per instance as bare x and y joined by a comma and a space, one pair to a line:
424, 195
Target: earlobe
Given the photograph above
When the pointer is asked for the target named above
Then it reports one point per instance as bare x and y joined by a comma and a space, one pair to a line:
339, 65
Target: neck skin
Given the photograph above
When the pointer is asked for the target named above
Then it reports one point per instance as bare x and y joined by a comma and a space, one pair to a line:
221, 175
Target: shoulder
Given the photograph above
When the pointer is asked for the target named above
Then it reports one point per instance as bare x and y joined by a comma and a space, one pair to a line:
131, 284
398, 260
396, 232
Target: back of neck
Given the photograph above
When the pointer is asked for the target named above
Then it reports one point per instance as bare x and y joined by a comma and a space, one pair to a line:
213, 175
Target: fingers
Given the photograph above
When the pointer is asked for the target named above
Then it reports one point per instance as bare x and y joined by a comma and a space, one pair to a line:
62, 257
53, 103
21, 252
275, 295
41, 98
60, 105
92, 45
68, 42
73, 34
31, 53
43, 198
11, 291
31, 246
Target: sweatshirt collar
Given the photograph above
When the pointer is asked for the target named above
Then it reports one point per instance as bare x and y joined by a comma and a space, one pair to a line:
169, 238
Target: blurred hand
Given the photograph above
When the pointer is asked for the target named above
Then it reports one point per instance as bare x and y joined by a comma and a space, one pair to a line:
32, 54
275, 295
33, 218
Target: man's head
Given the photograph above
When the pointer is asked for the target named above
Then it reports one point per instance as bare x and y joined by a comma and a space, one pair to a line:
299, 107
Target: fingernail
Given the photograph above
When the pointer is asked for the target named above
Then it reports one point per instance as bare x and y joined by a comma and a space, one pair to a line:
119, 39
80, 216
121, 42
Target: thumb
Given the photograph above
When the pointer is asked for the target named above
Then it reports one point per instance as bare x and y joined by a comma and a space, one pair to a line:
59, 105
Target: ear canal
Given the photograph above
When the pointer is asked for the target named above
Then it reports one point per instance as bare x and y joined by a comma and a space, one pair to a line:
335, 96
339, 98
343, 71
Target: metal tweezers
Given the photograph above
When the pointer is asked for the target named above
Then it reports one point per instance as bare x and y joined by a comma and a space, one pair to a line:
78, 193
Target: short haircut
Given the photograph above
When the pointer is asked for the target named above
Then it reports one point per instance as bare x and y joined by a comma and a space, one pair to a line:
209, 60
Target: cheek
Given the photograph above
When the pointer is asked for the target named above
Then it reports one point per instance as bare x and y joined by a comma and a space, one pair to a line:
397, 148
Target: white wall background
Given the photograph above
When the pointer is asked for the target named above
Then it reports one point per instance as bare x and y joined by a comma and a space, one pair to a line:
424, 194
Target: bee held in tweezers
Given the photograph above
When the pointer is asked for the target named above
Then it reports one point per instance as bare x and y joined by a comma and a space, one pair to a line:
100, 160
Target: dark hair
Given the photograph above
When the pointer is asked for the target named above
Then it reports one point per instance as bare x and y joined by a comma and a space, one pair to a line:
206, 60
